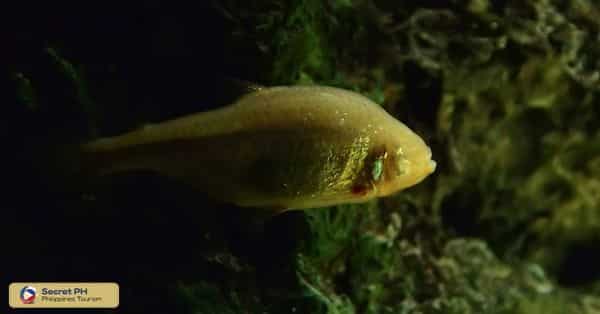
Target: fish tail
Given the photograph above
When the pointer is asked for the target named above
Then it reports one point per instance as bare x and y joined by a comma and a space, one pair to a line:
68, 167
55, 167
73, 165
106, 156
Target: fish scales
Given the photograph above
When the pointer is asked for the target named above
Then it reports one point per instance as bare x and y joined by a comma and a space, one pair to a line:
281, 147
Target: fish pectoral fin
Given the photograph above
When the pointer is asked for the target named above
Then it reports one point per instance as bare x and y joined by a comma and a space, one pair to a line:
277, 209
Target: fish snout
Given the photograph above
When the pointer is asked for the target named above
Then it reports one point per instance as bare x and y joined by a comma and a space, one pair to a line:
428, 167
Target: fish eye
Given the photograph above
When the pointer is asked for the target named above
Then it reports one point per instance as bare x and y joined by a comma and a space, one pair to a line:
377, 170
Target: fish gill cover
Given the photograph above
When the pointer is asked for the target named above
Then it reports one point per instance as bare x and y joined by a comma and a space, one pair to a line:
505, 92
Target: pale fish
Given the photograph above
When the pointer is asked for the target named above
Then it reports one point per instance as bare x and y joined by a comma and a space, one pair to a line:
278, 148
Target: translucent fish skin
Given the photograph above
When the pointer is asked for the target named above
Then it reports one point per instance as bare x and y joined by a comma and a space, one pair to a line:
281, 147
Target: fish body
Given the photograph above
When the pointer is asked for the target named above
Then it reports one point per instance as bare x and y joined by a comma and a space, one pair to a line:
281, 147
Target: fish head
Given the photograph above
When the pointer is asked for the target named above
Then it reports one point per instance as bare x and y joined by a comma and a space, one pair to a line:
398, 163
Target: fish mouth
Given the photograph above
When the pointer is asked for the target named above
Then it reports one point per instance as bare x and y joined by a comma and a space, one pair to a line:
432, 166
428, 167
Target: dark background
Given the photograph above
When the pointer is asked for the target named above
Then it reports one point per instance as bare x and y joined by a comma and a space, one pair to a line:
136, 62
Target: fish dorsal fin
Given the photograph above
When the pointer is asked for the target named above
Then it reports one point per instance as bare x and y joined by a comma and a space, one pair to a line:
246, 86
232, 89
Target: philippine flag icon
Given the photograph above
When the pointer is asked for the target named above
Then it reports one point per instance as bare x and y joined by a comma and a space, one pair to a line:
28, 295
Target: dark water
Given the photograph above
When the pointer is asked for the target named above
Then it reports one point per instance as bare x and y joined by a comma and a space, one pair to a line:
139, 62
